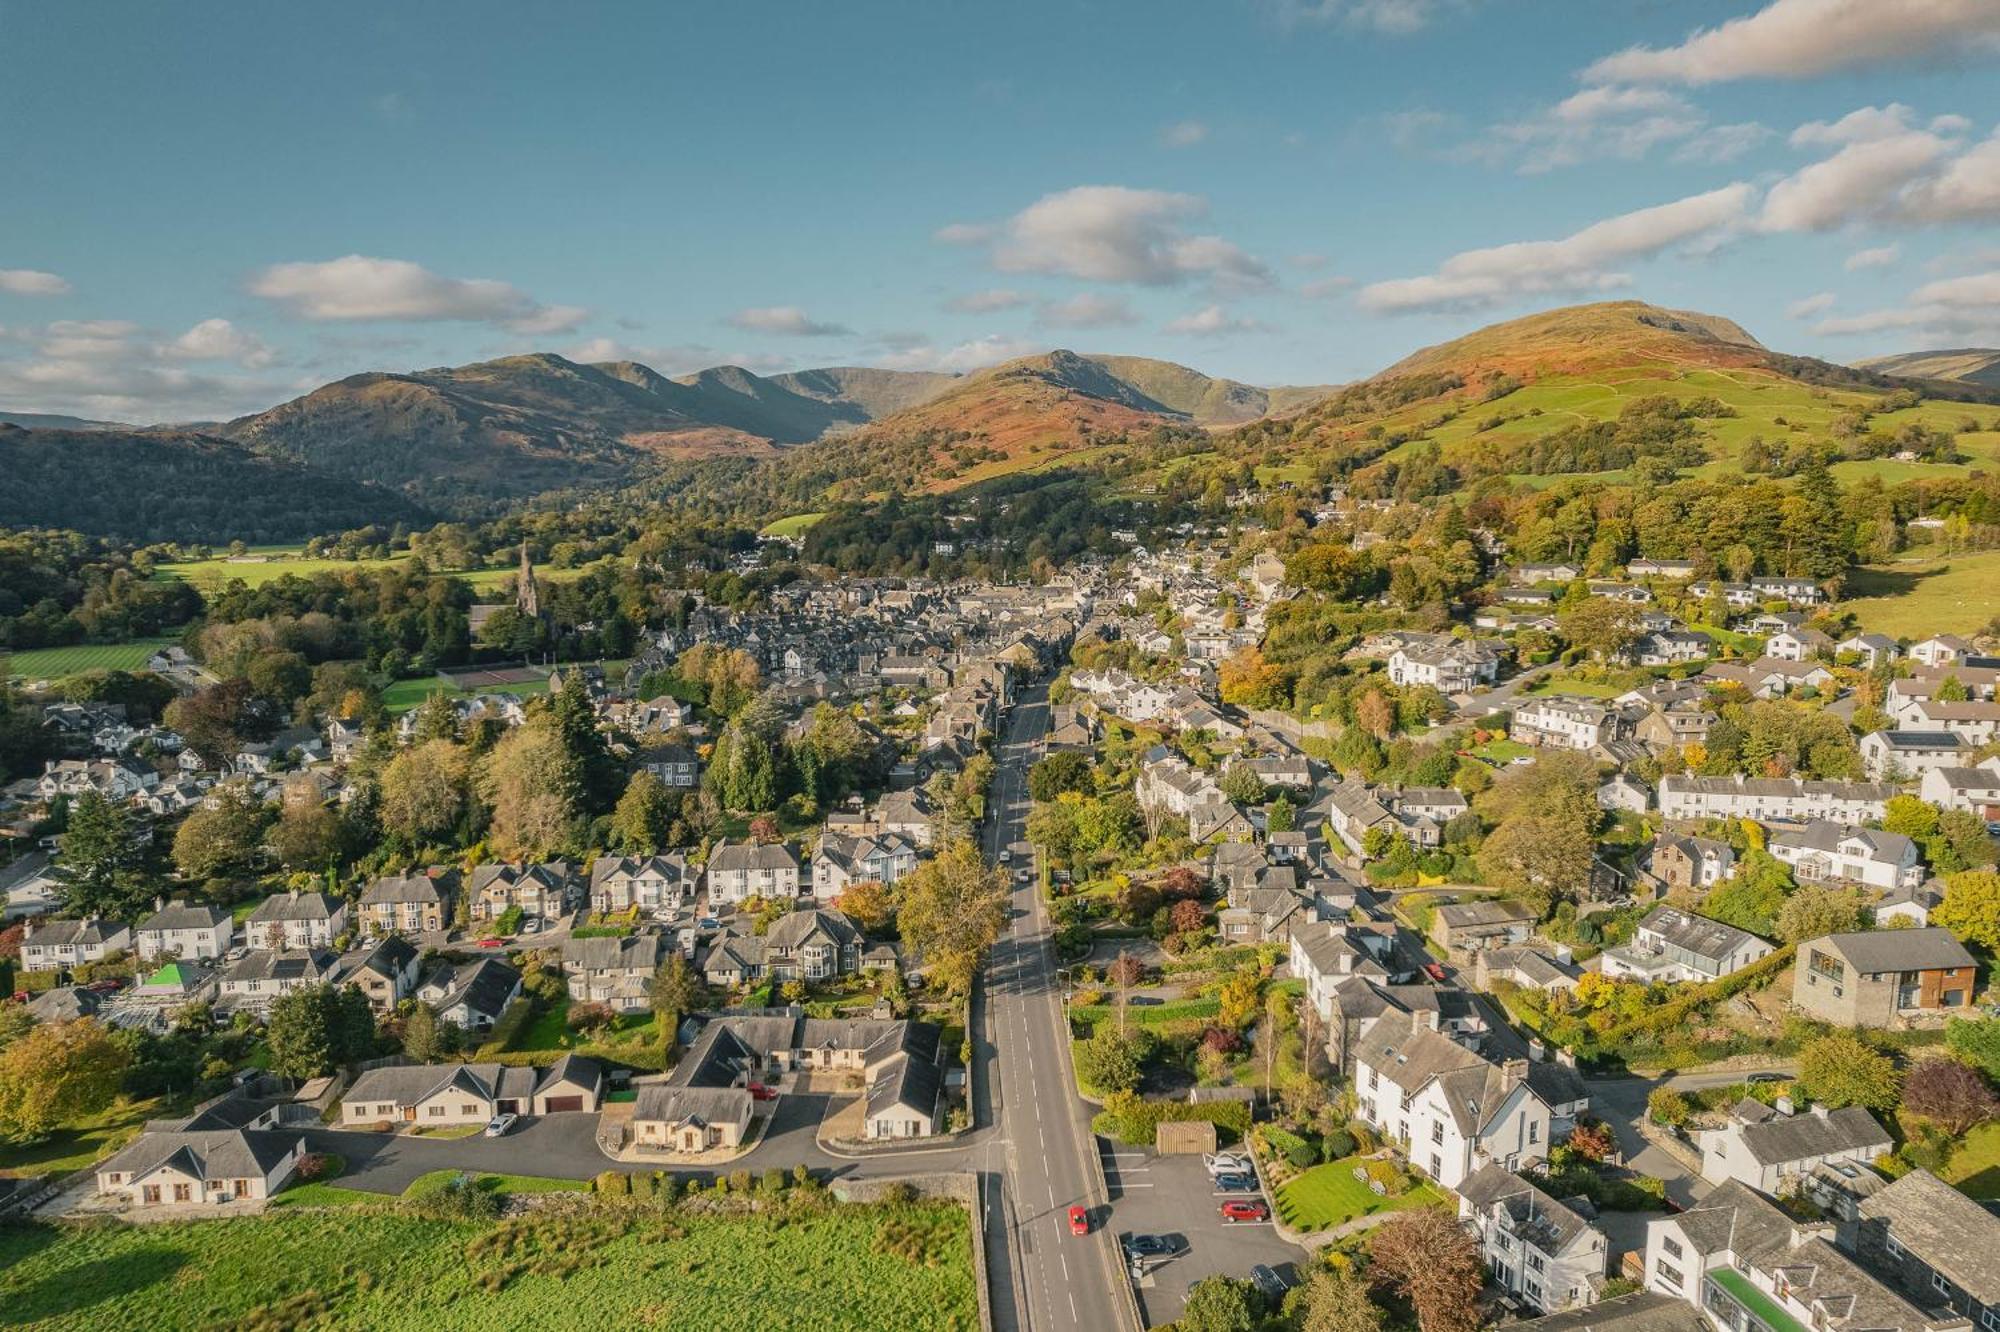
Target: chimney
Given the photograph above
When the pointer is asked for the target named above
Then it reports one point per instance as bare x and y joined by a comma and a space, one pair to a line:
1536, 1050
1567, 1058
1819, 1111
159, 903
1783, 1105
1430, 1018
1514, 1070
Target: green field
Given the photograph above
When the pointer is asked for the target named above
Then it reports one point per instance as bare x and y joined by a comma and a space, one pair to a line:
275, 562
1975, 1165
829, 1269
1918, 597
1329, 1195
402, 695
61, 662
796, 525
79, 1144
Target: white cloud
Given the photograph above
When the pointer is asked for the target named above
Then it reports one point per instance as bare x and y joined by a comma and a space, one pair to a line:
1963, 308
1211, 321
1722, 143
1887, 172
1816, 304
1395, 17
1089, 310
1111, 233
1185, 134
786, 321
1968, 189
1577, 263
963, 233
1619, 123
358, 287
1790, 39
31, 282
990, 301
220, 340
1860, 179
1320, 289
1857, 126
973, 355
1882, 256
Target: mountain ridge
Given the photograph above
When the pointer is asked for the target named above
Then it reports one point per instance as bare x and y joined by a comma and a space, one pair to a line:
1971, 365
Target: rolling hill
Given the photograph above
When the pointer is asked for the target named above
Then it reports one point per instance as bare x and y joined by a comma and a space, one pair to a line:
173, 485
1971, 365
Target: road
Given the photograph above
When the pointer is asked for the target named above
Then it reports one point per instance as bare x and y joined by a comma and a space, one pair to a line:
1042, 1150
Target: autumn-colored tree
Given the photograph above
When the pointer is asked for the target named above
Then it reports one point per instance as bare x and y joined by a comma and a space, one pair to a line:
58, 1072
1248, 680
764, 830
1951, 1094
530, 782
953, 908
1186, 917
1592, 1140
866, 903
1971, 908
1375, 714
1839, 1070
1427, 1256
1336, 1301
425, 790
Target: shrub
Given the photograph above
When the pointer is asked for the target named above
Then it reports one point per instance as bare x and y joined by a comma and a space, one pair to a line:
613, 1182
1336, 1145
739, 1181
590, 1017
1135, 1122
1301, 1155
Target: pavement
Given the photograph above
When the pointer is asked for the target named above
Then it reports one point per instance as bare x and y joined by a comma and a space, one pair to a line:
1160, 1195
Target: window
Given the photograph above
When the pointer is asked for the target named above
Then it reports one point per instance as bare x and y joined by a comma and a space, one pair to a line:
1437, 1132
151, 1193
1534, 1131
1668, 1276
1990, 1319
1895, 1249
183, 1193
1942, 1284
434, 1111
1536, 1263
1670, 1246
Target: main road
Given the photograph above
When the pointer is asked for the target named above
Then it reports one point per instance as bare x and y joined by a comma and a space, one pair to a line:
1042, 1154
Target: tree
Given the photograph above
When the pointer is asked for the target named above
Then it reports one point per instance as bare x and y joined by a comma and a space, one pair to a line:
1068, 770
421, 1040
1334, 1301
222, 841
866, 902
426, 790
953, 908
532, 785
1600, 626
678, 990
1109, 1061
316, 1028
1221, 1304
1816, 910
217, 719
1971, 908
102, 859
1374, 714
1838, 1070
593, 774
307, 834
57, 1073
1951, 1094
1280, 816
640, 822
1752, 898
1977, 1041
1913, 818
1246, 679
1426, 1255
1667, 1106
1241, 783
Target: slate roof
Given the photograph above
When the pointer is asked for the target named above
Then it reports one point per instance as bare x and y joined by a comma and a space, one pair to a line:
1944, 1228
483, 985
425, 887
1772, 1139
631, 952
745, 856
185, 916
682, 1104
204, 1154
1926, 949
1697, 934
295, 906
1640, 1311
1550, 1225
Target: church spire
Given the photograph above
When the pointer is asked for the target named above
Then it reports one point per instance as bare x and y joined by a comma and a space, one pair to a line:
527, 599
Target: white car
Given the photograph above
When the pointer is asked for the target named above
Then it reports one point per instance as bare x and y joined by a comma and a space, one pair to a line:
1006, 855
498, 1126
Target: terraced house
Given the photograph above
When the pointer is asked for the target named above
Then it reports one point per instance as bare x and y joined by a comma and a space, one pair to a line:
655, 885
542, 891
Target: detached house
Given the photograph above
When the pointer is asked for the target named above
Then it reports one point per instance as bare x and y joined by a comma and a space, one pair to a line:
738, 871
1975, 790
474, 994
616, 972
1697, 863
1825, 852
1544, 1251
295, 921
812, 945
1448, 665
656, 885
178, 1166
176, 929
58, 945
1676, 945
1773, 1150
257, 978
385, 972
440, 1095
1883, 978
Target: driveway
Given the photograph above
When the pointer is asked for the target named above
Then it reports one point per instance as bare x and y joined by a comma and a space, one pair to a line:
551, 1147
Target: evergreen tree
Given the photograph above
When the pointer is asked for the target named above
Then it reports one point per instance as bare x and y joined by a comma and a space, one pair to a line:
595, 772
102, 860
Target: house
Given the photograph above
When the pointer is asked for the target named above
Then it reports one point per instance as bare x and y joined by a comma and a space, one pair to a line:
415, 903
654, 885
1672, 647
1940, 650
1934, 1245
1624, 792
293, 921
117, 780
473, 995
58, 945
1868, 650
1169, 782
1975, 721
386, 972
1351, 811
675, 1118
1824, 851
1564, 722
1769, 677
171, 1165
1487, 924
1448, 665
1974, 790
1772, 799
1796, 591
1899, 755
257, 978
1545, 1252
1739, 1258
1324, 953
1676, 570
812, 945
1798, 645
676, 766
1546, 573
1883, 978
907, 814
1675, 945
539, 892
842, 860
1772, 1150
1911, 905
65, 1003
442, 1095
738, 871
1450, 1109
1693, 863
1526, 967
616, 972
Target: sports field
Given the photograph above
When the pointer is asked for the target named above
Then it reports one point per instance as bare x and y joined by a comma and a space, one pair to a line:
62, 662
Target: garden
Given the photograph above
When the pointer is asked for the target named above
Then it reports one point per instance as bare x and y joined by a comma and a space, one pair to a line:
1333, 1193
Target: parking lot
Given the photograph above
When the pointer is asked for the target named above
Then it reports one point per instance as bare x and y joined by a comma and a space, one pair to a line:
1174, 1195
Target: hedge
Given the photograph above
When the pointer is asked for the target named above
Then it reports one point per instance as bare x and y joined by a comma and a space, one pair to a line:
509, 1028
1135, 1124
1675, 1013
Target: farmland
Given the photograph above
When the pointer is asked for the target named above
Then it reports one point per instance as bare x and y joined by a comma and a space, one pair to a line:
793, 526
814, 1268
61, 662
269, 563
1919, 596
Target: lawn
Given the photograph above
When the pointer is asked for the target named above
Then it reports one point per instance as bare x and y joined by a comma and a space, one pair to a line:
795, 525
1329, 1195
403, 695
1503, 751
632, 1038
1915, 598
831, 1270
61, 662
79, 1145
1146, 1015
1974, 1168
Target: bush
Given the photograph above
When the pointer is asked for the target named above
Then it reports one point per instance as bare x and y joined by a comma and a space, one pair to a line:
1301, 1155
511, 1025
1135, 1122
739, 1181
460, 1199
613, 1183
1337, 1145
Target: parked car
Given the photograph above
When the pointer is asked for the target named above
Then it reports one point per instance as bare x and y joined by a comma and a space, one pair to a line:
1435, 970
1154, 1246
1227, 1163
759, 1092
1079, 1220
1235, 1183
1768, 1077
498, 1126
490, 943
1006, 855
1267, 1280
1245, 1209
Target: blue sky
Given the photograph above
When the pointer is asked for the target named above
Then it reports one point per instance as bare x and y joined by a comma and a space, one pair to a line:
205, 210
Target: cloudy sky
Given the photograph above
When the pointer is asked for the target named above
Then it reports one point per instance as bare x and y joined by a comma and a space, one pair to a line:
206, 210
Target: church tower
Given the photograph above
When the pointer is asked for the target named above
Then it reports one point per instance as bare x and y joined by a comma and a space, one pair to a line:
527, 599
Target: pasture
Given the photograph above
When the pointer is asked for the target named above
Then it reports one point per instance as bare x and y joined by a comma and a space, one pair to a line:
1921, 595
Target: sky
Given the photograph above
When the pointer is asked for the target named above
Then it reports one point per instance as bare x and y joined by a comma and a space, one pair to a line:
205, 210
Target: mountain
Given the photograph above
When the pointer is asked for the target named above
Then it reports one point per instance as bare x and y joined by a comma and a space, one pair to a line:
45, 421
1580, 338
1971, 365
172, 485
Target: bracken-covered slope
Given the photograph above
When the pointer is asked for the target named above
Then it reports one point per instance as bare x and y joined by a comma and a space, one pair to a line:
170, 485
1971, 365
1579, 338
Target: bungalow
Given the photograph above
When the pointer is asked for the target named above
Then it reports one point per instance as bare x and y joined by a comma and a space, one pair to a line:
1546, 573
616, 972
1900, 755
1883, 978
415, 903
1489, 924
738, 871
689, 1120
1940, 650
1772, 1150
178, 1166
655, 885
1676, 945
1541, 1250
292, 921
1769, 677
441, 1095
472, 995
58, 945
1677, 570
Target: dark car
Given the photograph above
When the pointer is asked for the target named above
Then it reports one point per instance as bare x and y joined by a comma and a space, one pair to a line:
1267, 1280
1768, 1077
1235, 1183
1245, 1209
1154, 1246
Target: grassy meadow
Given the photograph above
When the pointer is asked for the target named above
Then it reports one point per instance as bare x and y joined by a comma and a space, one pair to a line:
275, 562
60, 663
831, 1269
1922, 595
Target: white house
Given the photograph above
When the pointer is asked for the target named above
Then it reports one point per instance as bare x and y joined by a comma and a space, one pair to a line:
1974, 790
1940, 650
1676, 945
177, 929
60, 944
1797, 645
1541, 1250
656, 885
1907, 754
841, 860
738, 871
189, 1167
1772, 1150
1449, 665
1870, 650
1828, 852
1563, 722
296, 920
1772, 799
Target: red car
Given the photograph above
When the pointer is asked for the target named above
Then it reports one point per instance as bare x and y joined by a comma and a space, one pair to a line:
759, 1092
1435, 971
1079, 1220
1246, 1209
489, 943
